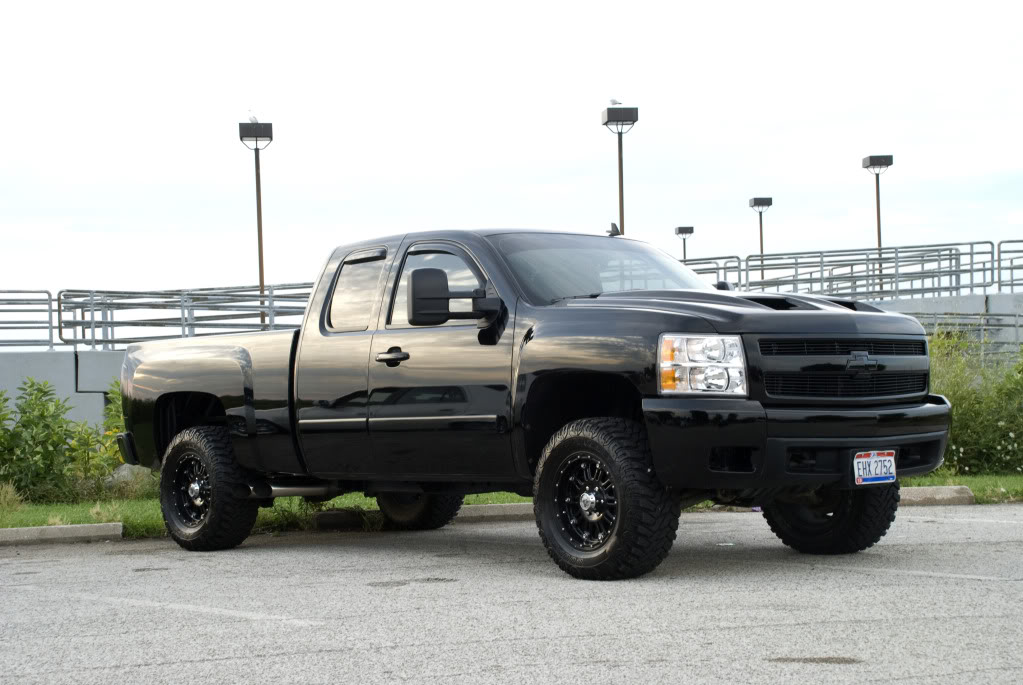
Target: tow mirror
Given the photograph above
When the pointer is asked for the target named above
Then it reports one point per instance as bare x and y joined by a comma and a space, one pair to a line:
428, 297
724, 285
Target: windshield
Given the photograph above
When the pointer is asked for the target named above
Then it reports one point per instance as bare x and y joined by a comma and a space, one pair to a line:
554, 266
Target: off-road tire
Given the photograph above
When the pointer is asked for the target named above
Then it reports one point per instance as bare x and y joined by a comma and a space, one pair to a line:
859, 519
411, 511
230, 515
646, 515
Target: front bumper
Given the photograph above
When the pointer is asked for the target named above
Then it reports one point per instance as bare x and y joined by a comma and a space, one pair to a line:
710, 444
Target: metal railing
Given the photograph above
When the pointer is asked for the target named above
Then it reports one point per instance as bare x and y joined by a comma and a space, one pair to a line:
26, 318
106, 319
997, 337
1010, 266
111, 319
911, 271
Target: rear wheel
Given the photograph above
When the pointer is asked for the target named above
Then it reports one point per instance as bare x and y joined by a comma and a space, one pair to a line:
601, 512
418, 511
200, 491
835, 521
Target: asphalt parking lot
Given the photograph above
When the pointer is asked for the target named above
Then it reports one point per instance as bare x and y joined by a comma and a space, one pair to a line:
940, 599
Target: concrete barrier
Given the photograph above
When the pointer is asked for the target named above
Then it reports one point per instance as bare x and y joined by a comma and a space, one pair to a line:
85, 532
926, 496
80, 377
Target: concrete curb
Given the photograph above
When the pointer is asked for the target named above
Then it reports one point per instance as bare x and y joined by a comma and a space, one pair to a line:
936, 495
85, 532
476, 513
353, 519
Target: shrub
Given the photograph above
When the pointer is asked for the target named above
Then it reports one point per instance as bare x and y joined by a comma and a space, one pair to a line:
48, 457
10, 498
987, 407
35, 456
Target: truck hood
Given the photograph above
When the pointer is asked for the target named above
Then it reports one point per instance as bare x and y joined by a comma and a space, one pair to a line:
741, 312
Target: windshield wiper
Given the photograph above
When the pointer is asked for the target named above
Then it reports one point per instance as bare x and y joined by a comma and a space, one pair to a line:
576, 297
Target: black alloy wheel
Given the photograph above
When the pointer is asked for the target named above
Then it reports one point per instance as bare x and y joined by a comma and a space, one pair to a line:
585, 494
192, 490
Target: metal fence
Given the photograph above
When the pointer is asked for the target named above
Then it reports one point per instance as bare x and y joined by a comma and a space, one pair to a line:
107, 319
997, 337
111, 319
1010, 265
26, 318
980, 267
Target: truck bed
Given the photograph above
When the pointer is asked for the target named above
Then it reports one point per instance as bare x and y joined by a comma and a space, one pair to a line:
245, 376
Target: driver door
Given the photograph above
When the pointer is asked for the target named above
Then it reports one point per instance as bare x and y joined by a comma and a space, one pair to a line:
444, 409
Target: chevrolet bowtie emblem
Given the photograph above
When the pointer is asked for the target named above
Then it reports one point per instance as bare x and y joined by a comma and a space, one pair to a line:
860, 362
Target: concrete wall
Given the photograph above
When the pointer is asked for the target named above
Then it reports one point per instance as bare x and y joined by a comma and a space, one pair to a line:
81, 377
1005, 309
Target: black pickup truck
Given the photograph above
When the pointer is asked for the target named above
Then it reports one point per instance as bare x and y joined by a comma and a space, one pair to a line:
596, 374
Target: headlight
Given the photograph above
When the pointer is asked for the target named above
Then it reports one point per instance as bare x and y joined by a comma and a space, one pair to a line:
708, 364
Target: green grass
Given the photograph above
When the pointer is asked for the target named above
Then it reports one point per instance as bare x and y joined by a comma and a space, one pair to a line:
987, 489
142, 518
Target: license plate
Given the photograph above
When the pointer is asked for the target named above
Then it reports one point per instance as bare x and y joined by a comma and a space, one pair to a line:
875, 466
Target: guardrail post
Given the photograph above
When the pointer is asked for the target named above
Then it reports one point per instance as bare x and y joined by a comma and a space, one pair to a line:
998, 288
184, 328
103, 324
896, 273
49, 305
270, 306
983, 339
972, 267
92, 317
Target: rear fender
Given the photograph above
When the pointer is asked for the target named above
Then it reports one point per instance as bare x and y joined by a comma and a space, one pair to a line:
224, 371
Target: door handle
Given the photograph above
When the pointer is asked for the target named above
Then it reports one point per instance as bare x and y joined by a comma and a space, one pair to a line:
393, 356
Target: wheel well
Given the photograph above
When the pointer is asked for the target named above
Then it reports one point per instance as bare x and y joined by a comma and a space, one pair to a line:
177, 411
560, 398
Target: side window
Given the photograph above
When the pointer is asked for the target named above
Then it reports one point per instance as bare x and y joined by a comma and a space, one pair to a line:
460, 277
354, 294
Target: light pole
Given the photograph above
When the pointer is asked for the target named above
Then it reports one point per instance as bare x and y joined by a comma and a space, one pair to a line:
877, 165
684, 232
760, 205
620, 120
256, 133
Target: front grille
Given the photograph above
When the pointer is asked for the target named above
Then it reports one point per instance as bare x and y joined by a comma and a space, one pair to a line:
839, 385
841, 348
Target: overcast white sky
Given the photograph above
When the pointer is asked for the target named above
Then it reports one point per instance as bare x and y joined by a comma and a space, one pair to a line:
120, 165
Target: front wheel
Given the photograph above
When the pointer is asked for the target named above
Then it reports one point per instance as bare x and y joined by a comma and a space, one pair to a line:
200, 484
835, 521
601, 513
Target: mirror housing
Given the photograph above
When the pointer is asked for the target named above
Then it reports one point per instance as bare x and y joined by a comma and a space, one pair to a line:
724, 285
428, 298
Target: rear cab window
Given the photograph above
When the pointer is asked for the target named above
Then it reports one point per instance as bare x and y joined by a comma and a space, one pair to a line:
356, 290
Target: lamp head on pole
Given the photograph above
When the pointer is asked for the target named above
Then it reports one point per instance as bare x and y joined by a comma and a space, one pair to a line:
255, 135
684, 231
878, 164
760, 204
620, 119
